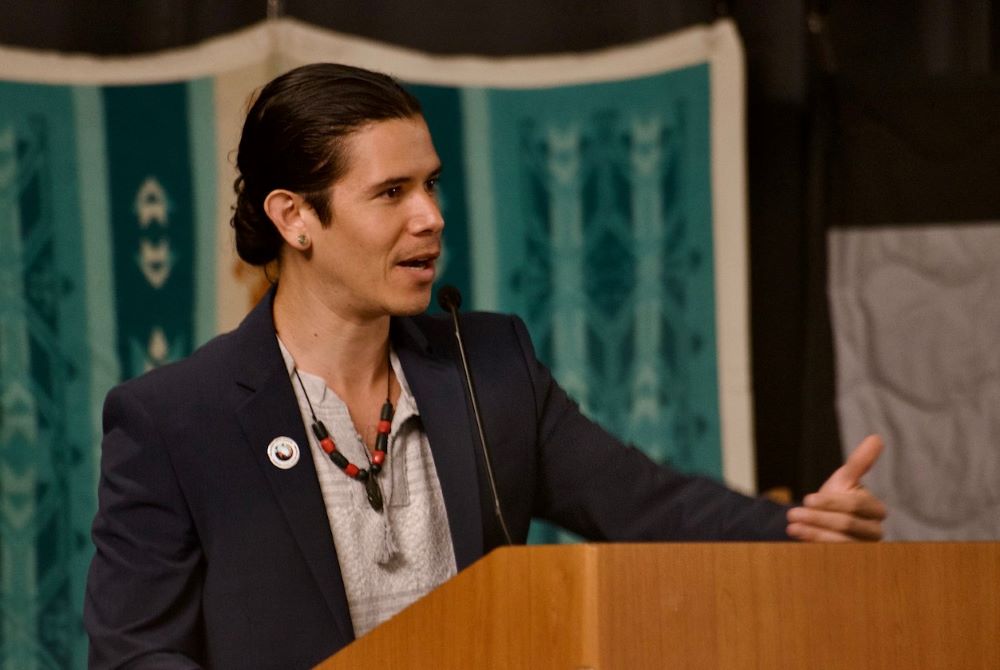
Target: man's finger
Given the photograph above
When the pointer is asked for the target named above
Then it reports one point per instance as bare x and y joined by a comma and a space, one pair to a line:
859, 502
861, 460
854, 527
807, 533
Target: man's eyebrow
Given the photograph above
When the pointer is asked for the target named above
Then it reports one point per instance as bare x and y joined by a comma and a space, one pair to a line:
397, 181
388, 183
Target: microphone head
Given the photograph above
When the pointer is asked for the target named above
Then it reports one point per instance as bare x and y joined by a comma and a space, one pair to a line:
449, 298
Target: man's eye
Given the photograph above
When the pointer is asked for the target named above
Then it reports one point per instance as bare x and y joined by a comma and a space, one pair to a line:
393, 192
432, 185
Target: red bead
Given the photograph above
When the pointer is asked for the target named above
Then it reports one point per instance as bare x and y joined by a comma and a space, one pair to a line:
384, 426
328, 445
351, 470
378, 457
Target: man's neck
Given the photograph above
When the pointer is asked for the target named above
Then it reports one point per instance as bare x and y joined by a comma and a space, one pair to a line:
349, 352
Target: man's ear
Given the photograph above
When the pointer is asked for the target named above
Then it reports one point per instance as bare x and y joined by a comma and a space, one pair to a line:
289, 213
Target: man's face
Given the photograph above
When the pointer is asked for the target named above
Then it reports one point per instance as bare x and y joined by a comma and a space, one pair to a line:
378, 254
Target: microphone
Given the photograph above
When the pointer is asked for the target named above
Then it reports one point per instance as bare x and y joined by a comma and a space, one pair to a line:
450, 299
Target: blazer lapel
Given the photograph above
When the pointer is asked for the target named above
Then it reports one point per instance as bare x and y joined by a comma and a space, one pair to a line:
272, 411
437, 388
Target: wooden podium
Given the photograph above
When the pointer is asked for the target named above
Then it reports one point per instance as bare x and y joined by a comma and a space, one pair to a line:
694, 606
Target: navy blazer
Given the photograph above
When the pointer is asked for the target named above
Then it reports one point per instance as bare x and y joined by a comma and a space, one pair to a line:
210, 556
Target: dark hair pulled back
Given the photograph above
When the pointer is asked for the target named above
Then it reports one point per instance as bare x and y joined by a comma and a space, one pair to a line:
293, 139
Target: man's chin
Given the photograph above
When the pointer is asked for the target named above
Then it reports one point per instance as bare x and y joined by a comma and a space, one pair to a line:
412, 307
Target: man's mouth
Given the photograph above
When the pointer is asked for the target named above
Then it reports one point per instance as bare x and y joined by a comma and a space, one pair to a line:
421, 262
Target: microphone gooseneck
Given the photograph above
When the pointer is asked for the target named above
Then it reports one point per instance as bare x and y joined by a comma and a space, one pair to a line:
450, 299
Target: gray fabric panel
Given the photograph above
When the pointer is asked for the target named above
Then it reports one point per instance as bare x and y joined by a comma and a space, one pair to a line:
916, 313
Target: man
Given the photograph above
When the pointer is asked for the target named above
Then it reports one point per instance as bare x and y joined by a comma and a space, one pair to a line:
299, 480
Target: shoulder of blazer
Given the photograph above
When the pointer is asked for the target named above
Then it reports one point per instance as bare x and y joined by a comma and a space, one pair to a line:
243, 355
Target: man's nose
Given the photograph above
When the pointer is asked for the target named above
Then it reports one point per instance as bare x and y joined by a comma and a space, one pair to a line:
427, 217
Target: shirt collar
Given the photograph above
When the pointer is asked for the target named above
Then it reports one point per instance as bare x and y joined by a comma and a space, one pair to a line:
406, 406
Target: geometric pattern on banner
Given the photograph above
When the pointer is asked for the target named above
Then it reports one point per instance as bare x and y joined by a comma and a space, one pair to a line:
915, 319
45, 455
152, 219
604, 246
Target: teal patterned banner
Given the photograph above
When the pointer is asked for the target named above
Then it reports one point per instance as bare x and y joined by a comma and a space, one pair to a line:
599, 234
604, 245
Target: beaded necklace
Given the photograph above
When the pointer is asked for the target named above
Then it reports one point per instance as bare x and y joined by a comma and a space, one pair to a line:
365, 476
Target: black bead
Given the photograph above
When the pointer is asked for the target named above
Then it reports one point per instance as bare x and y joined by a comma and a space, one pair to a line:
320, 431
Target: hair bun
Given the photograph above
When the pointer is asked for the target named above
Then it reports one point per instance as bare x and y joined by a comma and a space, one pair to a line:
257, 240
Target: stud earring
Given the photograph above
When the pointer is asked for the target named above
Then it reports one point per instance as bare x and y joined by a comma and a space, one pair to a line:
303, 240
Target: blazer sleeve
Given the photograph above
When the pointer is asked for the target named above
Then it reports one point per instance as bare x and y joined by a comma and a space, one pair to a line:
143, 591
594, 485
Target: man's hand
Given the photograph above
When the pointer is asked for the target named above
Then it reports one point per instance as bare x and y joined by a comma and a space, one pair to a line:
842, 510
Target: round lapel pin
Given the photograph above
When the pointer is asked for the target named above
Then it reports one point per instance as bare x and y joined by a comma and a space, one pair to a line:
283, 452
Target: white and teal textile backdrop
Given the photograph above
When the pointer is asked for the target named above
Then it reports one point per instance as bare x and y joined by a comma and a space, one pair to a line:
601, 196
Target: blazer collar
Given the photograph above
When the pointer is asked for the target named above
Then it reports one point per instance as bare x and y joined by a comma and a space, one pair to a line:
270, 411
